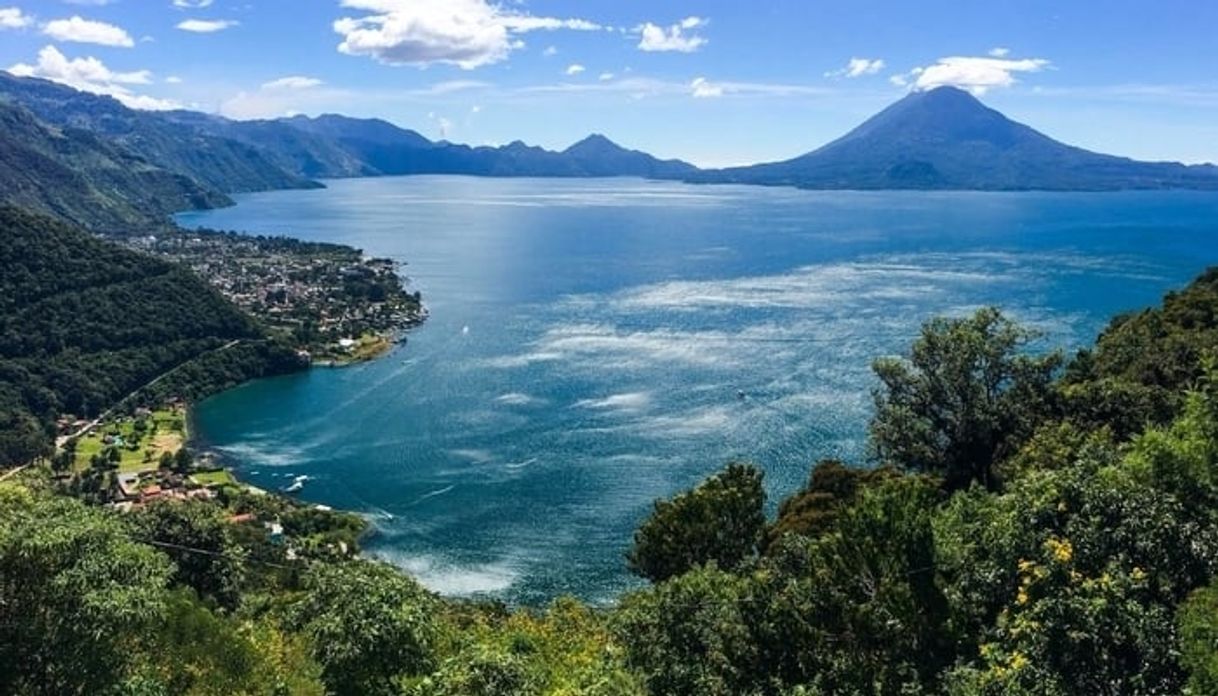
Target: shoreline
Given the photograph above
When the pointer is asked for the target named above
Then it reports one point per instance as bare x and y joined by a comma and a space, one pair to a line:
379, 345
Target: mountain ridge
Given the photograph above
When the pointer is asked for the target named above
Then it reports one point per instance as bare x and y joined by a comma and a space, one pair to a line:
946, 138
940, 139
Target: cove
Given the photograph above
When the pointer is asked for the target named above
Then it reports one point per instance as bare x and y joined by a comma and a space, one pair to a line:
596, 344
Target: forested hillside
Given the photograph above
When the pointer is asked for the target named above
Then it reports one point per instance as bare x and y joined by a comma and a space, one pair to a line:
1028, 524
83, 323
218, 163
77, 176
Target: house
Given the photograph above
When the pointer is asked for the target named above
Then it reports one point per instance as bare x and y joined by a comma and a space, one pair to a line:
275, 531
128, 485
242, 518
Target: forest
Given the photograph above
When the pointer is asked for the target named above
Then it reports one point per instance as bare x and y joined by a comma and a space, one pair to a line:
1027, 523
84, 323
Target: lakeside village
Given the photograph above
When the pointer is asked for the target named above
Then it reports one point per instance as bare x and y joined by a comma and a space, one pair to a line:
337, 306
331, 301
136, 459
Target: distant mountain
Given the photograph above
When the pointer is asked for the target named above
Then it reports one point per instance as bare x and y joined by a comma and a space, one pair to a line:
221, 163
946, 139
297, 151
79, 177
392, 150
597, 155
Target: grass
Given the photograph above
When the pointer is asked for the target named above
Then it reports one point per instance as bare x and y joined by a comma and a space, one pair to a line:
214, 478
164, 431
366, 347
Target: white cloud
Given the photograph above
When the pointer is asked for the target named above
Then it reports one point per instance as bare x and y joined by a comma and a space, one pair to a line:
13, 18
82, 30
653, 37
91, 75
173, 80
976, 74
702, 88
575, 69
1000, 52
192, 4
858, 67
206, 26
550, 51
293, 82
605, 76
899, 80
465, 33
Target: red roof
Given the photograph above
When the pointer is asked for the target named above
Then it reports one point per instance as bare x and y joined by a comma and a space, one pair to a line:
243, 517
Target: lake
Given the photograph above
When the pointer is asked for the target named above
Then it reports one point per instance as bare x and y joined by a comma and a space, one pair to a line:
596, 344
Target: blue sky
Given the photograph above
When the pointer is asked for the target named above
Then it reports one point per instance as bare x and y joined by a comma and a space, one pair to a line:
715, 82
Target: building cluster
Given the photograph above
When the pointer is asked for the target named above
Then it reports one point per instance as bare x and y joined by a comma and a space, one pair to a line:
132, 490
317, 294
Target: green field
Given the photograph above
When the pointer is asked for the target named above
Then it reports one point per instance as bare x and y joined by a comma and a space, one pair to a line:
140, 442
214, 478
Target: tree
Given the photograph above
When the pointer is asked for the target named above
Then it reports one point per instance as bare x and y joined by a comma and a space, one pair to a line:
692, 635
197, 651
858, 610
966, 396
75, 591
369, 625
813, 510
1198, 624
720, 520
195, 535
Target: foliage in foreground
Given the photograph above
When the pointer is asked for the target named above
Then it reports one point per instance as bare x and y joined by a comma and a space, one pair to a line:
1059, 550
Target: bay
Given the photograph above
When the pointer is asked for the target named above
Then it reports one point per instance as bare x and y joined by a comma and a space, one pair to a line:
596, 344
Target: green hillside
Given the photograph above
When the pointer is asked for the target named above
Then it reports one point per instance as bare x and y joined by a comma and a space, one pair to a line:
83, 323
79, 177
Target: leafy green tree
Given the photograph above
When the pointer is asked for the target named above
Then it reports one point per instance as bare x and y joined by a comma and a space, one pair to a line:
692, 635
1144, 362
195, 651
1070, 579
481, 672
813, 510
369, 625
967, 395
75, 591
721, 520
196, 536
859, 610
1198, 624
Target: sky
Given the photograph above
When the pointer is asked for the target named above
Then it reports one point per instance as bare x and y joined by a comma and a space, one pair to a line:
715, 82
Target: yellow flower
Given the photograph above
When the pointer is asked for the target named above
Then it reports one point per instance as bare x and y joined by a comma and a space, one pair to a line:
1061, 549
1018, 661
1138, 574
1026, 565
1022, 597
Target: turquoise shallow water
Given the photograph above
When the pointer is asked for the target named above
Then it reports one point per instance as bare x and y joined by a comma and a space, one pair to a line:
590, 341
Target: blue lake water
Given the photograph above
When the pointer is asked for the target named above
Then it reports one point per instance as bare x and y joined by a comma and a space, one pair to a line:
596, 344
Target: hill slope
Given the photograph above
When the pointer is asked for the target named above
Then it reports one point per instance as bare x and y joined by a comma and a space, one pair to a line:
77, 176
946, 139
83, 323
220, 163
